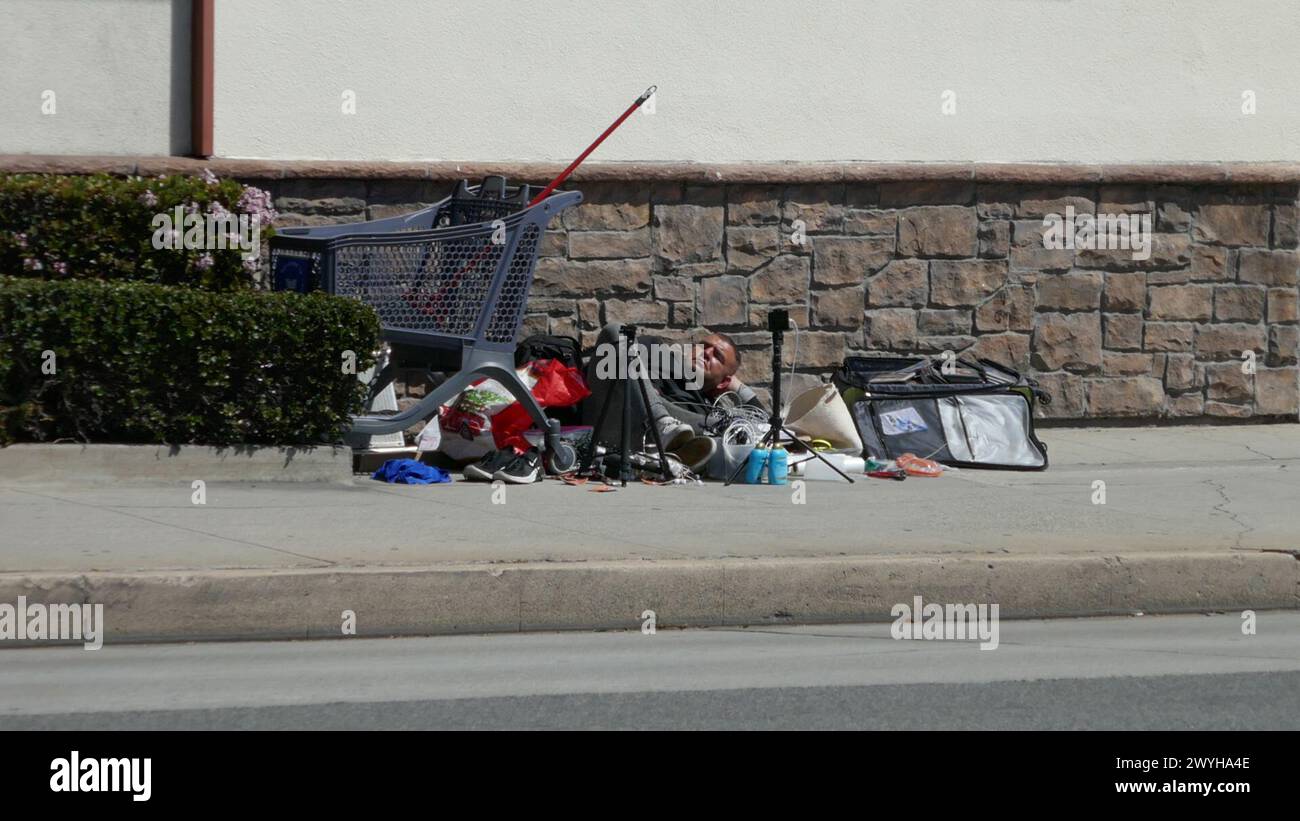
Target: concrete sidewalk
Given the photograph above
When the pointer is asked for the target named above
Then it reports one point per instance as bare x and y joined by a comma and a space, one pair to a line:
1194, 519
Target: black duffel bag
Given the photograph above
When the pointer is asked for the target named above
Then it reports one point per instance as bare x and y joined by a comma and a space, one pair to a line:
553, 346
549, 346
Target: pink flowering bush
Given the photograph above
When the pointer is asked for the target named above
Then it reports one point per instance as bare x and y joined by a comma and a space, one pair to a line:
105, 227
113, 275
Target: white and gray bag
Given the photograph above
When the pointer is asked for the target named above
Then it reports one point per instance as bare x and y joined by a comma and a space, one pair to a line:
967, 413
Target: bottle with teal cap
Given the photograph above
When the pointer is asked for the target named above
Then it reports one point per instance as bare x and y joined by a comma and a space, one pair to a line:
754, 468
778, 465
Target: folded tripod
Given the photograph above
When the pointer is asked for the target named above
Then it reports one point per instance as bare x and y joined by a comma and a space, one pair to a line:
630, 370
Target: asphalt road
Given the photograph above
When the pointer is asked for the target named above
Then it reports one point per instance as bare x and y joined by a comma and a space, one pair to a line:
1171, 672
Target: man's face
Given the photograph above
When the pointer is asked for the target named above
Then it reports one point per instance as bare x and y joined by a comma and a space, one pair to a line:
715, 359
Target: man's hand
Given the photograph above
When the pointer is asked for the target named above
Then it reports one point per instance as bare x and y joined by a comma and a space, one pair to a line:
731, 383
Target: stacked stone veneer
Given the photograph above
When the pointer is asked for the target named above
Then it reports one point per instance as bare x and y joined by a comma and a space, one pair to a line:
920, 267
928, 267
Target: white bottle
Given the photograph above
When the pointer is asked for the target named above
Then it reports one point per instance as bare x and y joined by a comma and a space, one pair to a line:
815, 470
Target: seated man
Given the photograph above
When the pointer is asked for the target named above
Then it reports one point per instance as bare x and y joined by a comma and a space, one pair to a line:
683, 382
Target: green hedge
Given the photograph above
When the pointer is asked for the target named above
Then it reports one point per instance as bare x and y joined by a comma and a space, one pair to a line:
99, 226
148, 363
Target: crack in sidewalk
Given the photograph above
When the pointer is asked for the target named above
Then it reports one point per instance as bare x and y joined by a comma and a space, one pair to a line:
1222, 508
1259, 452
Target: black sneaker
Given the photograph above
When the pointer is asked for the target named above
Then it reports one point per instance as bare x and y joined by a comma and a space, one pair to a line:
492, 461
522, 470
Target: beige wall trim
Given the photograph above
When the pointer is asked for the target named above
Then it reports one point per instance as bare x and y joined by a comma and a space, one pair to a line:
758, 173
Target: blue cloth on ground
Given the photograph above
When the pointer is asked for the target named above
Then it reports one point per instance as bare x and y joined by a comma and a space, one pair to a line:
410, 472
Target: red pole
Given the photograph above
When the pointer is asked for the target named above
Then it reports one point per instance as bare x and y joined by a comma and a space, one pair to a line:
546, 192
564, 175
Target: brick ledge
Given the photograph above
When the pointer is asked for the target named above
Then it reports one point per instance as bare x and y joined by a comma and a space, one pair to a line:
774, 172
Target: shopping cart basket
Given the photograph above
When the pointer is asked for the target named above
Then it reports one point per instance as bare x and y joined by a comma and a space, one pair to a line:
450, 284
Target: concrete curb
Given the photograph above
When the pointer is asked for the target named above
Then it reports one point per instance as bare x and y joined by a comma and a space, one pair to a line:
297, 604
174, 463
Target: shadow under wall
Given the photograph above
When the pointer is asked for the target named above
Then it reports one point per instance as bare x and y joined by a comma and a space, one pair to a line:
179, 136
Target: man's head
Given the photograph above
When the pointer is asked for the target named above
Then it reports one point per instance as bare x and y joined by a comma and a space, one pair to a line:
717, 358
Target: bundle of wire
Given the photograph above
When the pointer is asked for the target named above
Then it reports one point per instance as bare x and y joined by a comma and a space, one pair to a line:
736, 423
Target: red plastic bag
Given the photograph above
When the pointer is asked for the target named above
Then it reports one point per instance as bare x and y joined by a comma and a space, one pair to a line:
557, 385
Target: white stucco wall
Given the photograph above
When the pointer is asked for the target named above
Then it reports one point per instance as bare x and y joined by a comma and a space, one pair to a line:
1066, 80
118, 70
1072, 80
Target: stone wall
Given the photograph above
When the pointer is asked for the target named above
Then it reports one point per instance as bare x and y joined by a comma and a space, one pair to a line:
924, 267
902, 259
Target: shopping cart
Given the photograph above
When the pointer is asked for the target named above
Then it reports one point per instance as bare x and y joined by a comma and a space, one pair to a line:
450, 285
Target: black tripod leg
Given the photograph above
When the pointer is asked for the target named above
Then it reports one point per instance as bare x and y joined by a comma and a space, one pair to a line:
664, 470
595, 433
740, 468
625, 435
825, 461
